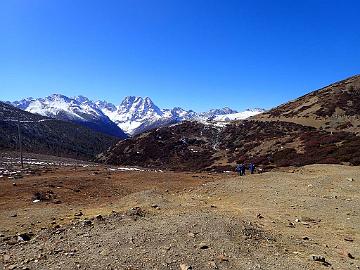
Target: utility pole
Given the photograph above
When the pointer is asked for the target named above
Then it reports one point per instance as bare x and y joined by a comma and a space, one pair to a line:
20, 144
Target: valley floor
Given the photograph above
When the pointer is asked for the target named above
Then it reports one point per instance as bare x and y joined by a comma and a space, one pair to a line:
167, 220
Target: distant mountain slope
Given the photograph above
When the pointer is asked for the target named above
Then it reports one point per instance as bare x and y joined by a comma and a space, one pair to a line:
334, 107
320, 127
134, 115
49, 136
79, 110
198, 146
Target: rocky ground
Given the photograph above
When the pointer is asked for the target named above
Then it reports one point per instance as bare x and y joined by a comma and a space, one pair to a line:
120, 218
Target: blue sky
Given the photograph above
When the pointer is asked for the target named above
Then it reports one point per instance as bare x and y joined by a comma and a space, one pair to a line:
197, 54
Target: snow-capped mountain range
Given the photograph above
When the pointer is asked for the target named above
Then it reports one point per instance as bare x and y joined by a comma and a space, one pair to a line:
134, 115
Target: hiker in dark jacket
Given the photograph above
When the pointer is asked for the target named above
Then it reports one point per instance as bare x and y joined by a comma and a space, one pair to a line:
242, 169
252, 168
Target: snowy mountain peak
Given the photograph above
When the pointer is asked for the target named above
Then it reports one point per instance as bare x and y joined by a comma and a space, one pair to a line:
139, 107
105, 106
134, 114
57, 97
82, 99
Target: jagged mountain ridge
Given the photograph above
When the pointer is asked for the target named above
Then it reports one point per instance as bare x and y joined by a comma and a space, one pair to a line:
79, 110
133, 115
50, 136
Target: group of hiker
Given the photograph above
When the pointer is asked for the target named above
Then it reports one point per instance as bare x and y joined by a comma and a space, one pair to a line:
241, 169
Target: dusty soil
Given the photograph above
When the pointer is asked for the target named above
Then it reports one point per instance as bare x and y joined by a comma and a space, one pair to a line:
167, 220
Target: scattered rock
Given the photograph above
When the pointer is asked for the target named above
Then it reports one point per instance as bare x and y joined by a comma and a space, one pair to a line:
350, 256
213, 265
259, 216
135, 212
222, 258
321, 259
13, 215
350, 179
6, 257
79, 214
203, 245
291, 225
104, 252
185, 267
308, 219
87, 222
43, 196
349, 239
155, 206
99, 218
25, 237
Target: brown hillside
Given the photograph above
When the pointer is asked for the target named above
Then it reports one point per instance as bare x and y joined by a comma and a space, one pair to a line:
334, 107
195, 146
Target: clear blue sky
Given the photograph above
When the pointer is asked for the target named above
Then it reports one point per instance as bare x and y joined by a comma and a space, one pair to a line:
197, 54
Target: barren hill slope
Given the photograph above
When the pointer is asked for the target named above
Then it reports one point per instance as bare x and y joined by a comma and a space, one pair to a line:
334, 107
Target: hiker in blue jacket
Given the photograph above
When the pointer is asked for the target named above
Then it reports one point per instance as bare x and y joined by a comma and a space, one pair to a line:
252, 168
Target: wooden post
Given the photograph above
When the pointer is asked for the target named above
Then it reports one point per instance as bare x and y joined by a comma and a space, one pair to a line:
20, 144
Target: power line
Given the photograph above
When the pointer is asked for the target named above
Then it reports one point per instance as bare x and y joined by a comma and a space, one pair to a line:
19, 133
